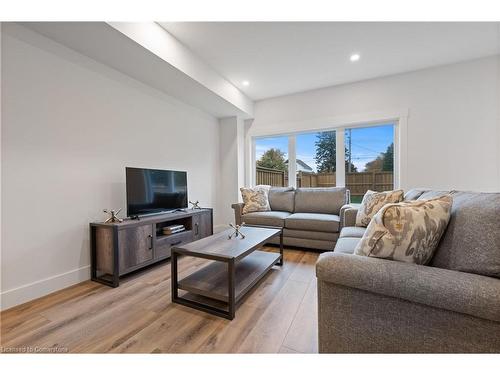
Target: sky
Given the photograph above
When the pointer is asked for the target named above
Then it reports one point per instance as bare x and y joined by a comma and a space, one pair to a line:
367, 144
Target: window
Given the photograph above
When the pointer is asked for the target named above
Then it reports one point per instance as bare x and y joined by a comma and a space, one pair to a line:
271, 156
316, 159
369, 159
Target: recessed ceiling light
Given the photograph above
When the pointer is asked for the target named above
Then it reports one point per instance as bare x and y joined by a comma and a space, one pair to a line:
355, 57
245, 83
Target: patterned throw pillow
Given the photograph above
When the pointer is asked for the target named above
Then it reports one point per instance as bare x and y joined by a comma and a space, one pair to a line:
407, 231
374, 201
255, 199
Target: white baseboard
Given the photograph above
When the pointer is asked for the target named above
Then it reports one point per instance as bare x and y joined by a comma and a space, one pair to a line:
28, 292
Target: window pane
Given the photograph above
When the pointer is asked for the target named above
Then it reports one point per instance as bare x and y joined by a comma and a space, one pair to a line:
271, 155
316, 160
369, 160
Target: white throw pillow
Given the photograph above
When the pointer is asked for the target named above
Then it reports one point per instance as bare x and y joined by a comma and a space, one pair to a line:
255, 199
374, 201
408, 231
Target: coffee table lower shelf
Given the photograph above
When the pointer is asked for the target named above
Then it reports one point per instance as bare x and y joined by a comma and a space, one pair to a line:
214, 282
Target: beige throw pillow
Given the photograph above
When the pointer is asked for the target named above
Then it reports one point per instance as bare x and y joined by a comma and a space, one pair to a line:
255, 199
408, 231
374, 201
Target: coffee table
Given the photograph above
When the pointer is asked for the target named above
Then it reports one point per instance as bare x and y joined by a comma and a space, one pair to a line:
237, 265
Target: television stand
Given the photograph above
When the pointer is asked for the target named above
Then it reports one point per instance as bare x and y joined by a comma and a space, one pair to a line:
117, 249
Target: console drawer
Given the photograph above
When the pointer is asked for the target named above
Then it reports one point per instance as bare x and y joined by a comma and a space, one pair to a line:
165, 243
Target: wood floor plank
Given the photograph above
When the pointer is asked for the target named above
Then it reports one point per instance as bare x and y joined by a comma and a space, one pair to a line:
168, 333
286, 350
138, 316
307, 270
25, 327
269, 332
303, 333
18, 314
107, 337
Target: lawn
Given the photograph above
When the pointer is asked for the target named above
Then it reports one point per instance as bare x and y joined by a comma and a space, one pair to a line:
356, 198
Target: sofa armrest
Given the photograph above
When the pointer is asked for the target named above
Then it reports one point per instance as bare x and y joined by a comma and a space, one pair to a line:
238, 208
461, 292
348, 214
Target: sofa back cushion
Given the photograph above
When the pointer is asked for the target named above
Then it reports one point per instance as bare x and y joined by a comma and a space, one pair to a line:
320, 200
282, 199
413, 194
471, 242
431, 194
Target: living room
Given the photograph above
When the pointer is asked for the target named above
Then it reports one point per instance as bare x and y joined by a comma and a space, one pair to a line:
218, 186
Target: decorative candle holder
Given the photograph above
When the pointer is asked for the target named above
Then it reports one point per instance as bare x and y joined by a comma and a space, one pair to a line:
113, 216
237, 231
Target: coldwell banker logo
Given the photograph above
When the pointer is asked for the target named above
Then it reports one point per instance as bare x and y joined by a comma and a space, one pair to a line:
33, 349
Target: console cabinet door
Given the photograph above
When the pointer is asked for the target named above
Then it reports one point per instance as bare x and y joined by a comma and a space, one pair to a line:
202, 225
135, 247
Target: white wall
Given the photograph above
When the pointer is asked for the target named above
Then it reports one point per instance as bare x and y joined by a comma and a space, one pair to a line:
70, 126
231, 172
452, 125
498, 116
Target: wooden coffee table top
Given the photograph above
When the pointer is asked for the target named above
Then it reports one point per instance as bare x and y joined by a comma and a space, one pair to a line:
219, 247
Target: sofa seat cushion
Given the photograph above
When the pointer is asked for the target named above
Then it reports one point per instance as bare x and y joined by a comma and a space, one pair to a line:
320, 200
310, 235
313, 221
355, 232
346, 245
270, 218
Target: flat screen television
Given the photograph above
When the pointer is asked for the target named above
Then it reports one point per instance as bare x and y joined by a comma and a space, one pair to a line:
151, 191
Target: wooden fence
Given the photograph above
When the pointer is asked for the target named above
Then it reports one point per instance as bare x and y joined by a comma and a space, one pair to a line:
358, 182
268, 176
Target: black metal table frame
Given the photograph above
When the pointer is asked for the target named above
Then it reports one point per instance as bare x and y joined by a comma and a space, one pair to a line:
231, 303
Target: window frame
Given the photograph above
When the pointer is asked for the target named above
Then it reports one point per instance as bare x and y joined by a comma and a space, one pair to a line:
291, 130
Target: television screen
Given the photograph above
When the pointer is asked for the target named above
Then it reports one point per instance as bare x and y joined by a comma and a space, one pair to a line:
153, 191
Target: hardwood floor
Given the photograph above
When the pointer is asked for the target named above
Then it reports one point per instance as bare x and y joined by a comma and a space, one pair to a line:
278, 316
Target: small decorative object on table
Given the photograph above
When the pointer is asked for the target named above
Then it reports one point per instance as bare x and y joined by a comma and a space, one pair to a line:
236, 232
114, 216
196, 205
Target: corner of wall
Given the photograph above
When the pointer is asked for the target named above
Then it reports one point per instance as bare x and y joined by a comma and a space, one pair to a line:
232, 166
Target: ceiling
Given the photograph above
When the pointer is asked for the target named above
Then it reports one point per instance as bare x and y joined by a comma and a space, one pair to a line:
119, 47
283, 58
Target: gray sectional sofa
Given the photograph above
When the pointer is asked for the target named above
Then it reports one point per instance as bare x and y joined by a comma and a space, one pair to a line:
310, 217
368, 305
